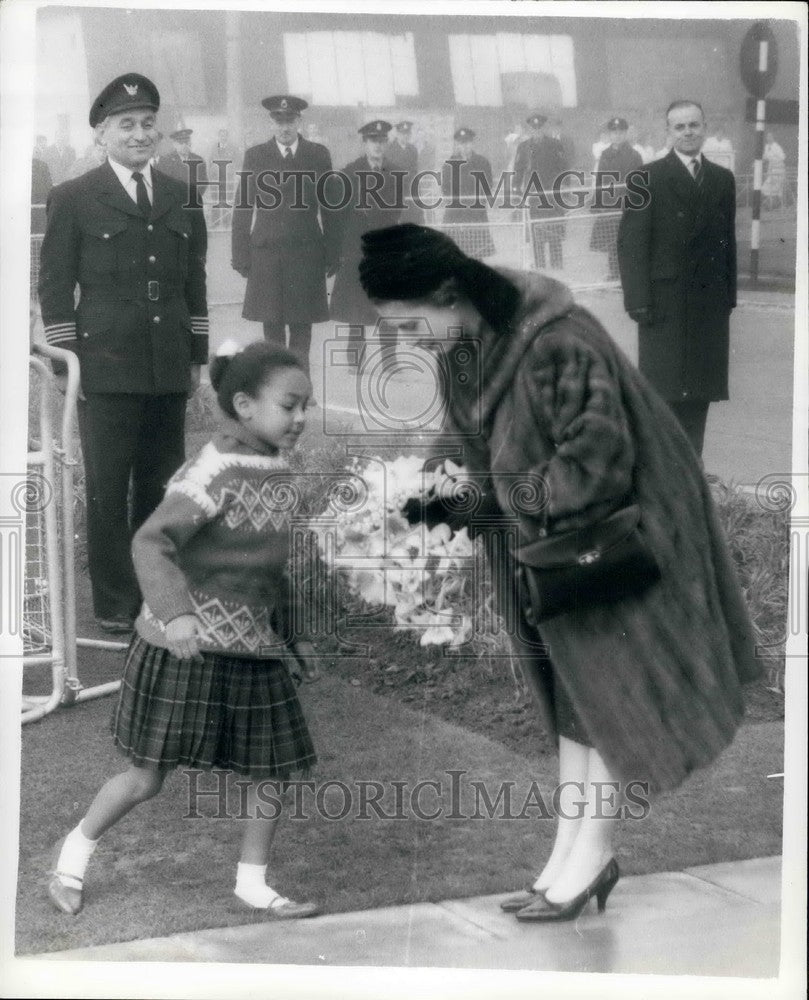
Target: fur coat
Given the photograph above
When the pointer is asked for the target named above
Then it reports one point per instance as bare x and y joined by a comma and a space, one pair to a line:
560, 429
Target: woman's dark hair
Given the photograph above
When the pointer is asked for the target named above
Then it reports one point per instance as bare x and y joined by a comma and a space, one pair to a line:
408, 263
248, 371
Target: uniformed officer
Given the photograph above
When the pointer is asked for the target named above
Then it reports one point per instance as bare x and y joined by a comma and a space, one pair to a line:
176, 163
617, 160
359, 214
403, 155
290, 248
140, 328
542, 158
463, 194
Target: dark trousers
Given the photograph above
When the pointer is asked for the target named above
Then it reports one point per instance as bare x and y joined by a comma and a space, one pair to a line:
552, 233
300, 338
125, 438
693, 415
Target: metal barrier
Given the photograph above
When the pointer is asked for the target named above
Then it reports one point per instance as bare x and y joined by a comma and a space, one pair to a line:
49, 604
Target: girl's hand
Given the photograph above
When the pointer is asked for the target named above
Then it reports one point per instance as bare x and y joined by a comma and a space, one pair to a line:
182, 638
305, 652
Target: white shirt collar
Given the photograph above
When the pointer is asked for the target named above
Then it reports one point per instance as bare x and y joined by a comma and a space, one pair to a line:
293, 146
686, 160
124, 175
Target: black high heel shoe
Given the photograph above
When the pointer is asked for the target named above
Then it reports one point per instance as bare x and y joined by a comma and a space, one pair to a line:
544, 911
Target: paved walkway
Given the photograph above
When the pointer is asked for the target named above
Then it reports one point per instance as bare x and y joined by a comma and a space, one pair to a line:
713, 920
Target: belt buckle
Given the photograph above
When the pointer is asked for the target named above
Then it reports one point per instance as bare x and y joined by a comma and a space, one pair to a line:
153, 290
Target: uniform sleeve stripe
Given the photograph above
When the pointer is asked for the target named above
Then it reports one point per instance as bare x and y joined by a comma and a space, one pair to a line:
60, 327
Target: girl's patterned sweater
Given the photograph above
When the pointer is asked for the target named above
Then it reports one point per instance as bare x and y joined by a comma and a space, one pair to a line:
218, 547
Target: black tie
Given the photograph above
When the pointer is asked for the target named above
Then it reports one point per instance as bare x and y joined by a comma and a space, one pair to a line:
287, 153
697, 172
142, 197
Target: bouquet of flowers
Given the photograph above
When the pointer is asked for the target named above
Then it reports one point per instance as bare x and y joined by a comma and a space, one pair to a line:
423, 573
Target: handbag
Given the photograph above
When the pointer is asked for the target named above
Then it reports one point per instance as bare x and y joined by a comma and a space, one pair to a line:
576, 569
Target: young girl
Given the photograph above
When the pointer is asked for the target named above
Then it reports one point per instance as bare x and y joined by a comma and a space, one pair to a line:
207, 681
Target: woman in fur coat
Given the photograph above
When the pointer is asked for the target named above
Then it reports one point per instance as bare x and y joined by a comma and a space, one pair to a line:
556, 430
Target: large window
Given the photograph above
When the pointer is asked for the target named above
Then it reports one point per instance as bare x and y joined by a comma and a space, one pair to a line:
351, 67
483, 64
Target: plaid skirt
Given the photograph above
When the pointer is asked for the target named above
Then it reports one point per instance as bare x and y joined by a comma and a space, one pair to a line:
228, 712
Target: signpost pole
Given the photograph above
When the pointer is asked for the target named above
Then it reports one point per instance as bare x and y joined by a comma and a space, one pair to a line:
758, 166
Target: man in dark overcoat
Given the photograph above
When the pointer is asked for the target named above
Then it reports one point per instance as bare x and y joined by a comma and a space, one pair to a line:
677, 256
121, 234
617, 160
177, 163
463, 194
289, 249
403, 155
374, 203
538, 163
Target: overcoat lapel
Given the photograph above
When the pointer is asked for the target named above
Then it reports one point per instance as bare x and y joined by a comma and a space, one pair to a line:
112, 193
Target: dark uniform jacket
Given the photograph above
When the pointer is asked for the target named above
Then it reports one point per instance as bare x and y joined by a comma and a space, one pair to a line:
460, 189
175, 166
141, 319
617, 161
546, 158
362, 213
678, 258
286, 252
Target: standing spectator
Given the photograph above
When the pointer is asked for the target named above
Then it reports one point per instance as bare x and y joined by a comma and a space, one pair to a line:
772, 189
599, 146
512, 141
123, 234
677, 255
93, 157
642, 145
403, 155
60, 157
286, 255
41, 185
222, 161
617, 160
718, 148
539, 162
362, 213
177, 163
460, 192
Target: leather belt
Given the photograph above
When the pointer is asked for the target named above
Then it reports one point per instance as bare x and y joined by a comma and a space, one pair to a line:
153, 291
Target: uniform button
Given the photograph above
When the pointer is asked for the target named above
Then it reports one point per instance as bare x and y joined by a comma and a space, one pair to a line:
85, 335
156, 319
149, 228
106, 236
152, 260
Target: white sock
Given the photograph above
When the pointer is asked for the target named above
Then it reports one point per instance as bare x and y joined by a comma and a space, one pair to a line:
73, 858
253, 889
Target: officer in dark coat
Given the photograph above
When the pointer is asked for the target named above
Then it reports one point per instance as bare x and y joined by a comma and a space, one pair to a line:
539, 161
371, 200
677, 256
177, 163
290, 248
617, 160
464, 197
140, 329
403, 155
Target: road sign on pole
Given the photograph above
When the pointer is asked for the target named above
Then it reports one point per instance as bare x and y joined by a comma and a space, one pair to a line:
758, 63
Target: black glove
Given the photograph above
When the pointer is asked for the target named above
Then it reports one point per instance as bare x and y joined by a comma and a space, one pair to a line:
435, 511
642, 316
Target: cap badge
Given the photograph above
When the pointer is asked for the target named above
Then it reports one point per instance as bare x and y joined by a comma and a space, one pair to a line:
131, 89
284, 103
